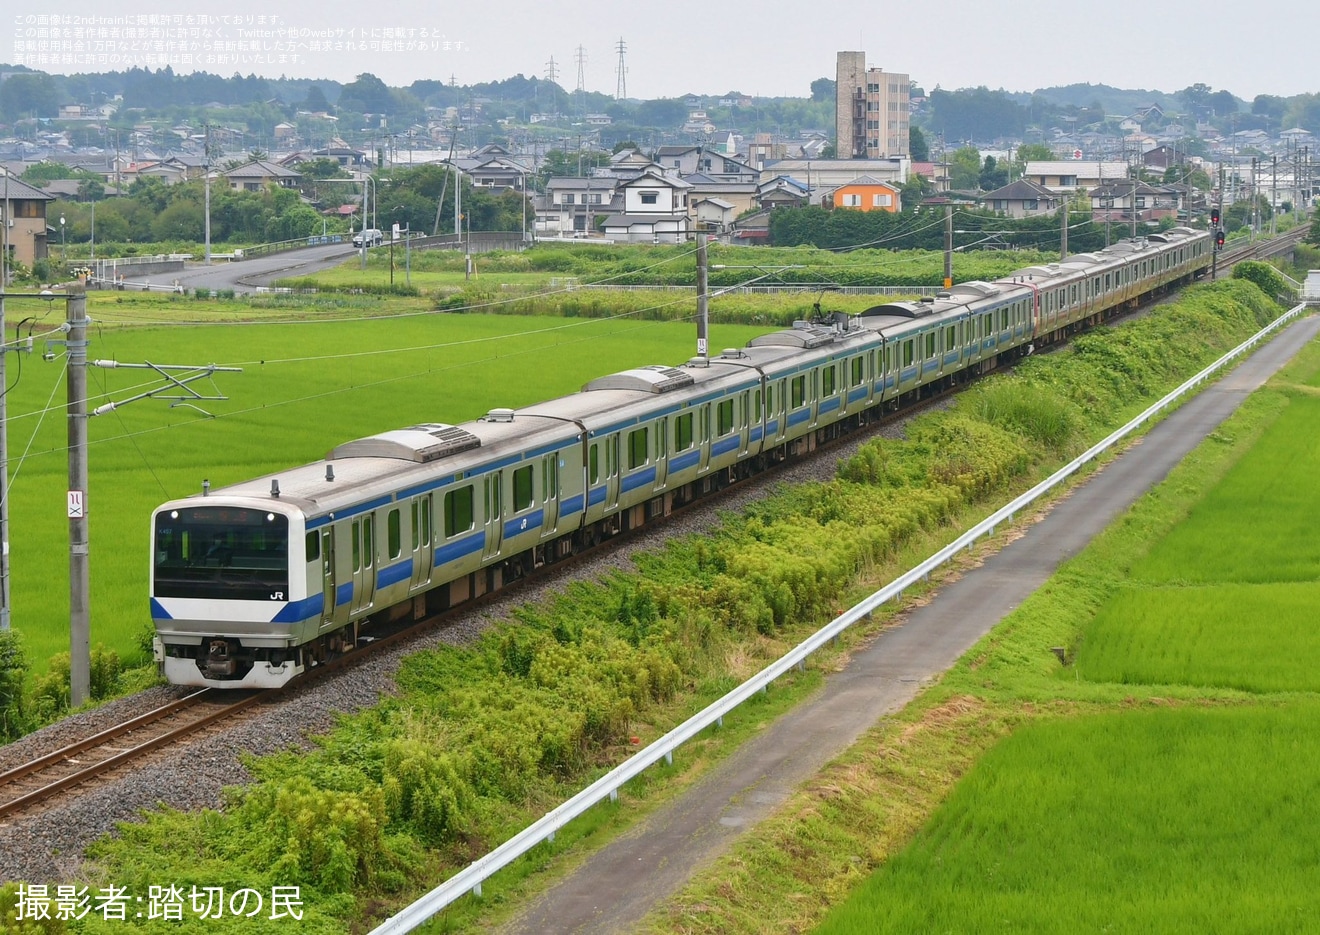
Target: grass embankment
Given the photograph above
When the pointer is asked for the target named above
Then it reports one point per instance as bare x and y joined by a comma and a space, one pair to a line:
1161, 782
481, 739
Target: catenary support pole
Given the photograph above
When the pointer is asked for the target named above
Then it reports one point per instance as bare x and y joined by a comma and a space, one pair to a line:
948, 246
703, 323
79, 604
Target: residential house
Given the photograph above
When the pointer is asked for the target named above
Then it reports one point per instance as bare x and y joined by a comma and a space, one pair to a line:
713, 214
342, 153
937, 173
1162, 157
781, 191
831, 173
1022, 199
868, 194
284, 132
260, 174
1068, 175
742, 195
23, 217
1117, 201
655, 210
571, 206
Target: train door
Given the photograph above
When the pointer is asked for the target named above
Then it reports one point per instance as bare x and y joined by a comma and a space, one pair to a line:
612, 472
364, 562
423, 546
329, 578
494, 515
550, 493
779, 411
661, 450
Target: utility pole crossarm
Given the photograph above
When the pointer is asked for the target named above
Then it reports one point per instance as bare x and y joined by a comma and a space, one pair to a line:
185, 392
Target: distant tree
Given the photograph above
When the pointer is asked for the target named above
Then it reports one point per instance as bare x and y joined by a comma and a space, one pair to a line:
28, 94
965, 168
822, 89
829, 151
1196, 97
993, 175
622, 145
316, 102
1313, 236
367, 95
666, 113
914, 190
323, 168
183, 220
1034, 152
918, 148
1224, 103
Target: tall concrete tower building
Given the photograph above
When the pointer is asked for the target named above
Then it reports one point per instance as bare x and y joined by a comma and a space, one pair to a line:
871, 110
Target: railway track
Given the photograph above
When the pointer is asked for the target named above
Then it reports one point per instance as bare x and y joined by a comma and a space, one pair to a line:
56, 773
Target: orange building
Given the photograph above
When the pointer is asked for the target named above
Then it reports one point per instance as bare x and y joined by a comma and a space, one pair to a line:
868, 194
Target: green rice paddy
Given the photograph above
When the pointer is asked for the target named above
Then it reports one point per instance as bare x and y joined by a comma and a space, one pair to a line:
304, 388
1169, 785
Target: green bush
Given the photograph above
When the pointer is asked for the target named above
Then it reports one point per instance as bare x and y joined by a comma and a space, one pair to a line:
13, 670
1266, 277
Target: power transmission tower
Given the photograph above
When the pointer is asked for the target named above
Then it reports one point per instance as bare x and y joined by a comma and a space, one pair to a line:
621, 71
581, 56
551, 70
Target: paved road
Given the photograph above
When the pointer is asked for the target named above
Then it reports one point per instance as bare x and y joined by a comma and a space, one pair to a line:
246, 275
613, 889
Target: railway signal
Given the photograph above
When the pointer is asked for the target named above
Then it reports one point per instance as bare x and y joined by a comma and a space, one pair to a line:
1219, 239
1214, 217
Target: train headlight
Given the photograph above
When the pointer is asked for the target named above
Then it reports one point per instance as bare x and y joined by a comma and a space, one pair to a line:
174, 514
270, 517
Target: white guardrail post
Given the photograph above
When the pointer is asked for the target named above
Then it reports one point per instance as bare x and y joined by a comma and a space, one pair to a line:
470, 878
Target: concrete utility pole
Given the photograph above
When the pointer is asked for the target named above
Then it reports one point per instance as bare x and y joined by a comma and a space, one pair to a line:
703, 322
206, 172
4, 423
79, 605
948, 246
1063, 232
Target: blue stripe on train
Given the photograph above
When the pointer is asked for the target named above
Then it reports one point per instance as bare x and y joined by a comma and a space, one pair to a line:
459, 549
304, 609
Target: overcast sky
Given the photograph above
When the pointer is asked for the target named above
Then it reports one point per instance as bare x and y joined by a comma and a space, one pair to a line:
767, 49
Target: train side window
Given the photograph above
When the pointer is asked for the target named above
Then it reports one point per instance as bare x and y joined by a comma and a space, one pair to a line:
827, 380
368, 542
593, 464
724, 417
637, 448
908, 352
756, 406
458, 511
770, 398
550, 477
313, 547
950, 338
394, 534
426, 520
522, 488
357, 546
414, 512
858, 370
683, 432
798, 390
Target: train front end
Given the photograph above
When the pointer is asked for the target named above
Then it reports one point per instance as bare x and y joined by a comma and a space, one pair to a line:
229, 592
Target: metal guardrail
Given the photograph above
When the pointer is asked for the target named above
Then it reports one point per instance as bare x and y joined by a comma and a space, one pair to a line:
470, 878
280, 246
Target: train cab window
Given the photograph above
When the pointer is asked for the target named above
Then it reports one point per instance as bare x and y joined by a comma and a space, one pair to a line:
458, 511
312, 547
683, 432
798, 391
724, 417
637, 440
593, 464
394, 534
522, 488
828, 378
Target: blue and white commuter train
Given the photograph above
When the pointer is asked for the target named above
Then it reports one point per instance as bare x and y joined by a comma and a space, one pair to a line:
256, 582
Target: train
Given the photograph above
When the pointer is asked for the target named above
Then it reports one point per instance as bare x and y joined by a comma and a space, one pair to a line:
255, 583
